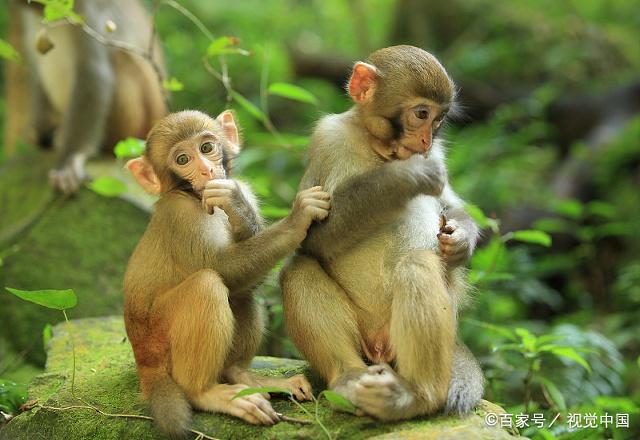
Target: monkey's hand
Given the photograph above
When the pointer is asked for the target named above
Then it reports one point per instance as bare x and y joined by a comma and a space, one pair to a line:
70, 175
310, 204
454, 242
223, 193
426, 174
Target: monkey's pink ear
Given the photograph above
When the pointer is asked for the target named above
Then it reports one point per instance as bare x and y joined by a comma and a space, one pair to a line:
143, 172
230, 129
362, 84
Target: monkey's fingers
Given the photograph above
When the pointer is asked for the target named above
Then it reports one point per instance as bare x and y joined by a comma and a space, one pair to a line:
217, 192
263, 410
220, 184
317, 213
319, 203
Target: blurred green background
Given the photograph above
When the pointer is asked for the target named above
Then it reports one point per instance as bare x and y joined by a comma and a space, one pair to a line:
549, 143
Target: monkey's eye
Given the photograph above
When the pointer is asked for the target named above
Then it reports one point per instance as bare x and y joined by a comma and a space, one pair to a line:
421, 113
206, 148
182, 159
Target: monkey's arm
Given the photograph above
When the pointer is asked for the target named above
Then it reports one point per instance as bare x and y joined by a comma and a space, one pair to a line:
83, 125
458, 238
364, 203
247, 221
244, 264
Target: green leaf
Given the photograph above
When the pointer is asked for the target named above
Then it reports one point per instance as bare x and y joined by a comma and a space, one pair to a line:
249, 106
249, 391
532, 236
129, 147
47, 334
554, 393
553, 225
8, 52
570, 353
602, 209
569, 207
292, 92
224, 46
59, 9
53, 299
477, 215
173, 84
338, 401
12, 396
108, 186
502, 331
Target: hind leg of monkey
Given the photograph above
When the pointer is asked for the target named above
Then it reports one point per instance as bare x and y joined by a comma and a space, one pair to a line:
247, 338
467, 382
200, 333
319, 319
423, 328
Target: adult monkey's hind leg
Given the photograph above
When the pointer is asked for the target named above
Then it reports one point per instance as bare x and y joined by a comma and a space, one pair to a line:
423, 328
319, 319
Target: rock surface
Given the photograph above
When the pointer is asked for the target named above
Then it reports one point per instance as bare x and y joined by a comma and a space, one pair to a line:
106, 379
48, 241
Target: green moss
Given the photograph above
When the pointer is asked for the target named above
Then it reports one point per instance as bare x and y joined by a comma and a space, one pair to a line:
82, 243
106, 378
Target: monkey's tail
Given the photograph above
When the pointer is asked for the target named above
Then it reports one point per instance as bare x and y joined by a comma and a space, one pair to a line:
170, 407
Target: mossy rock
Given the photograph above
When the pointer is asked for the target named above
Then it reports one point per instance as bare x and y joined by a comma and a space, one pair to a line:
106, 379
49, 241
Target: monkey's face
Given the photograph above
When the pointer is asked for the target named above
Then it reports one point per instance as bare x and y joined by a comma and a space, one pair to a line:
418, 123
198, 159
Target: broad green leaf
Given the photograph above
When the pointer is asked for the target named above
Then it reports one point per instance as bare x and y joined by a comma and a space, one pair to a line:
532, 236
172, 84
502, 331
476, 276
249, 106
338, 401
59, 9
108, 186
569, 207
528, 339
249, 391
507, 347
47, 334
53, 299
129, 147
553, 225
477, 214
602, 209
292, 92
554, 393
8, 52
570, 353
224, 46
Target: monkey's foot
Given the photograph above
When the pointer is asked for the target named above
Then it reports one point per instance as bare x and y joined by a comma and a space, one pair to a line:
381, 393
254, 408
299, 386
69, 177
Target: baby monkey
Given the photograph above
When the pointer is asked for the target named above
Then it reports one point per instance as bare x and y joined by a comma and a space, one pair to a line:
189, 309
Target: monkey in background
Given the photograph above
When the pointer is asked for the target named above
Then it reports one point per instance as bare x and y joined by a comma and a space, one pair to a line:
384, 279
76, 94
189, 309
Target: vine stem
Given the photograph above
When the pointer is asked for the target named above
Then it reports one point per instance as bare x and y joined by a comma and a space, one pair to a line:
306, 411
200, 434
73, 353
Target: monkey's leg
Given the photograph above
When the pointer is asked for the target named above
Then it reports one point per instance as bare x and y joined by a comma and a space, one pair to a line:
200, 333
467, 382
246, 341
319, 319
423, 329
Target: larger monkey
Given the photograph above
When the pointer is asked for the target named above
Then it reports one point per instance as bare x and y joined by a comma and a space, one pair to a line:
80, 95
370, 286
189, 309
